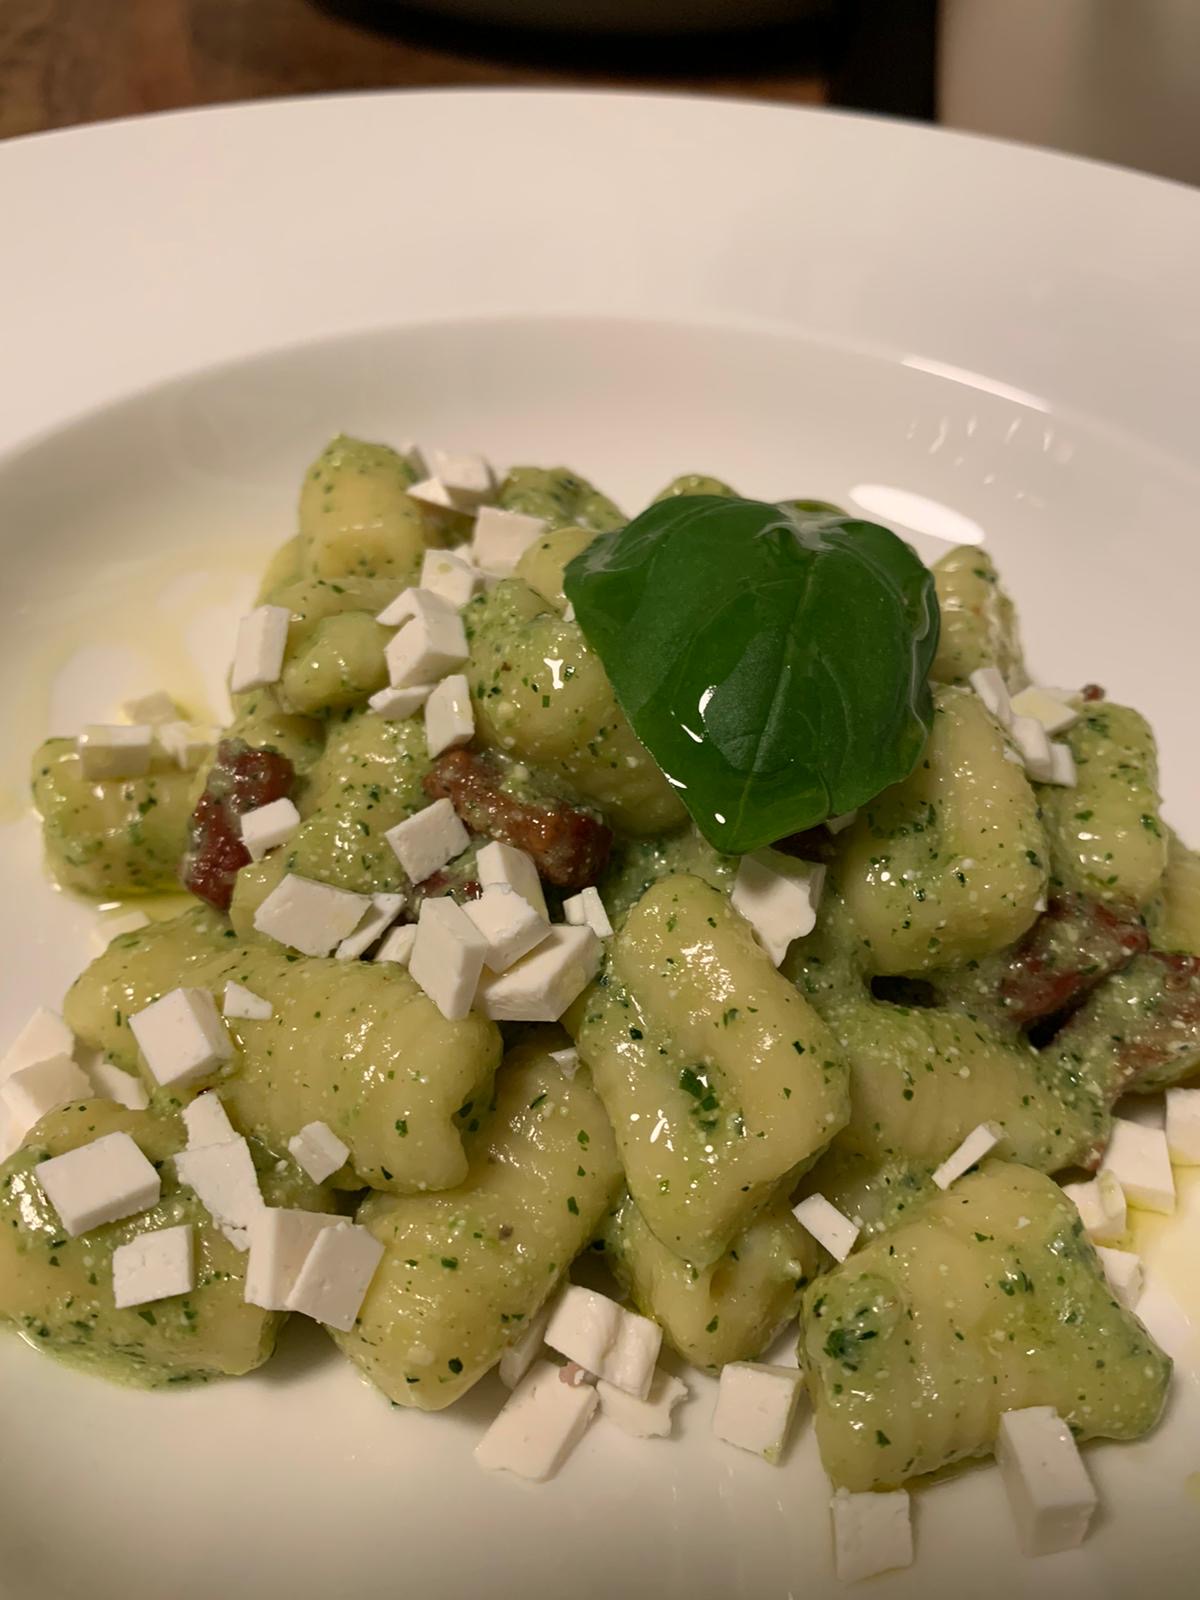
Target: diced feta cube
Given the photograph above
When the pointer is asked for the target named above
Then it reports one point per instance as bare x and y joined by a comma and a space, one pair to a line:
185, 743
450, 577
384, 910
991, 688
1124, 1272
266, 827
644, 1419
261, 642
567, 1061
43, 1036
398, 946
841, 822
34, 1092
280, 1241
154, 1266
413, 602
428, 840
501, 538
755, 1406
181, 1036
243, 1004
1049, 1491
98, 1183
568, 612
110, 928
541, 986
541, 1423
311, 917
1033, 743
617, 1345
1053, 714
969, 1153
207, 1123
226, 1185
503, 866
333, 1282
872, 1533
396, 705
469, 478
1140, 1161
115, 751
1183, 1126
525, 1349
447, 956
778, 896
1101, 1204
508, 923
318, 1150
433, 492
153, 708
828, 1226
425, 649
114, 1083
449, 717
586, 910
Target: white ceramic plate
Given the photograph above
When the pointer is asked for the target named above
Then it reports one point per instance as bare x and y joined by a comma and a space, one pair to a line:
958, 336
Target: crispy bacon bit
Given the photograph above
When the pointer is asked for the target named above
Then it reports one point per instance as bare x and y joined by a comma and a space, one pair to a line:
569, 846
242, 778
1092, 692
1075, 944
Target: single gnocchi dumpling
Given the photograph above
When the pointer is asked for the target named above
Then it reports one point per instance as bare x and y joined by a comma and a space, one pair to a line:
560, 497
357, 518
979, 621
335, 648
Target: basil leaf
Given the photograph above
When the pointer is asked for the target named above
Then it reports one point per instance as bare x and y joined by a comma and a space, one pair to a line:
774, 662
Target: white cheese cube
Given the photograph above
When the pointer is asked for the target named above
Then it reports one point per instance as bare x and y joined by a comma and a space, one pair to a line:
1183, 1126
1125, 1273
828, 1226
398, 946
1140, 1161
1061, 770
509, 924
541, 986
113, 1083
428, 647
261, 641
503, 866
1049, 1491
333, 1282
396, 705
181, 1036
586, 910
114, 751
468, 478
1053, 714
1033, 744
383, 911
266, 827
280, 1241
45, 1035
568, 612
34, 1092
433, 492
969, 1153
501, 538
110, 928
840, 823
311, 917
226, 1185
207, 1123
630, 1364
449, 717
450, 577
872, 1533
447, 956
153, 708
617, 1345
755, 1407
243, 1004
98, 1183
1101, 1205
991, 688
428, 840
154, 1266
778, 896
644, 1419
567, 1061
525, 1349
541, 1423
402, 609
318, 1150
185, 743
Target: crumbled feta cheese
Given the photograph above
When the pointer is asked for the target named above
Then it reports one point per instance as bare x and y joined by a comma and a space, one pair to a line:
207, 1123
261, 641
153, 708
991, 688
567, 1061
280, 1240
34, 1092
428, 840
110, 928
969, 1153
311, 917
503, 866
1033, 743
1061, 770
541, 986
841, 822
524, 1350
1053, 714
154, 1266
114, 751
501, 538
185, 743
384, 910
755, 1406
1124, 1272
468, 478
318, 1150
1049, 1491
226, 1185
644, 1419
449, 717
778, 896
266, 827
1101, 1205
586, 910
509, 924
181, 1036
450, 577
244, 1004
1183, 1126
113, 1083
434, 492
1140, 1161
99, 1182
412, 602
398, 946
828, 1226
541, 1423
447, 956
396, 705
333, 1282
617, 1345
429, 646
43, 1036
872, 1533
